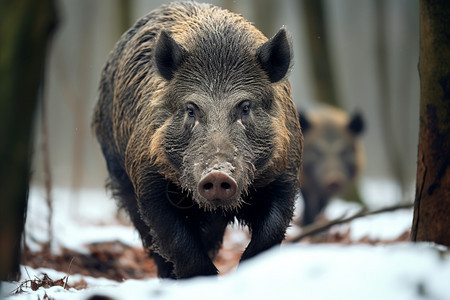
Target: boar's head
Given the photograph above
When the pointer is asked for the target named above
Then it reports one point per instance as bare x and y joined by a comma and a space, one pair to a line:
332, 155
221, 111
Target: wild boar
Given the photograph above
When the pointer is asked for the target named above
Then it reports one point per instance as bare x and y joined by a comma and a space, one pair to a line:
332, 159
197, 126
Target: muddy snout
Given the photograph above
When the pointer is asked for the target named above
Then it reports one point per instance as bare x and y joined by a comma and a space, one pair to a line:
217, 185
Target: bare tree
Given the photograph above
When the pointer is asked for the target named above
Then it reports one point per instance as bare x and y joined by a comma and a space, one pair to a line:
323, 81
432, 204
394, 153
125, 15
26, 26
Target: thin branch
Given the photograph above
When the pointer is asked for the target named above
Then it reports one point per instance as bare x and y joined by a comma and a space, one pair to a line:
317, 228
68, 273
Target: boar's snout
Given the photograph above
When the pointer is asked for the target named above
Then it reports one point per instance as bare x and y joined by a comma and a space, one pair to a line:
217, 185
335, 182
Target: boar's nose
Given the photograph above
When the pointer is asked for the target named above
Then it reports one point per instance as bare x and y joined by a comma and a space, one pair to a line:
334, 186
334, 182
217, 185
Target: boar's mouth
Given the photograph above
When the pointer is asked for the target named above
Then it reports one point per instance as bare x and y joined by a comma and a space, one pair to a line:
222, 186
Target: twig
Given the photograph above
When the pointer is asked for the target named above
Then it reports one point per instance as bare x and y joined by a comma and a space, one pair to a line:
316, 228
26, 270
68, 272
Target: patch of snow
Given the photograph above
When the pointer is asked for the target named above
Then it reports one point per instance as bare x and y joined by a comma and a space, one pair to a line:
238, 235
401, 271
77, 220
383, 226
379, 192
386, 226
339, 208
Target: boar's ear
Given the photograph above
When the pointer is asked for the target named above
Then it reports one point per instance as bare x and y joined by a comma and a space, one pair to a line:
304, 122
169, 55
356, 124
275, 55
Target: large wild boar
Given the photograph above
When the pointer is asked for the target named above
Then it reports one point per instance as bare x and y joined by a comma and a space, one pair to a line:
332, 159
197, 126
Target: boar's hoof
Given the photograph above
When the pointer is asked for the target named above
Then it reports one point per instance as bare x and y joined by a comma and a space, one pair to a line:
217, 185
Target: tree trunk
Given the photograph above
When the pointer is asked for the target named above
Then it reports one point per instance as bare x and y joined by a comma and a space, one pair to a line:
321, 66
394, 153
125, 15
25, 28
432, 204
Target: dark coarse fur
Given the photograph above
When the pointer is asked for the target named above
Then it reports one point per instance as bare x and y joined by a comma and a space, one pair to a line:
193, 89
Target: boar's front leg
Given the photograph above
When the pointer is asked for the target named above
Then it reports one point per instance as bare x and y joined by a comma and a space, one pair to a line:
313, 206
174, 239
268, 216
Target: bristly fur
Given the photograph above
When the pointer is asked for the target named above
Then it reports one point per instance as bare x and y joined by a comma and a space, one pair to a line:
200, 55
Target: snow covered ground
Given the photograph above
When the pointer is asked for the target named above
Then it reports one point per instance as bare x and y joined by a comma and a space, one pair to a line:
303, 271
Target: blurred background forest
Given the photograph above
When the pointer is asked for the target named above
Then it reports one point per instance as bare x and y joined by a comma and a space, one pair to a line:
370, 50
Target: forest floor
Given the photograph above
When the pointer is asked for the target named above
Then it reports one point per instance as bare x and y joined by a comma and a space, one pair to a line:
117, 261
93, 246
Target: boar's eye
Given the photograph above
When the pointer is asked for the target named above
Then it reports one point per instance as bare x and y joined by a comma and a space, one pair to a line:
190, 109
245, 108
191, 113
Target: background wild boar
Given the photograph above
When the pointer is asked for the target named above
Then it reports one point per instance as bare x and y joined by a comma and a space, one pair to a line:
333, 156
197, 125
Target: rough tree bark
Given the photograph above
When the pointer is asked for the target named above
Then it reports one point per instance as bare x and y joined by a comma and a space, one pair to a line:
431, 220
25, 28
